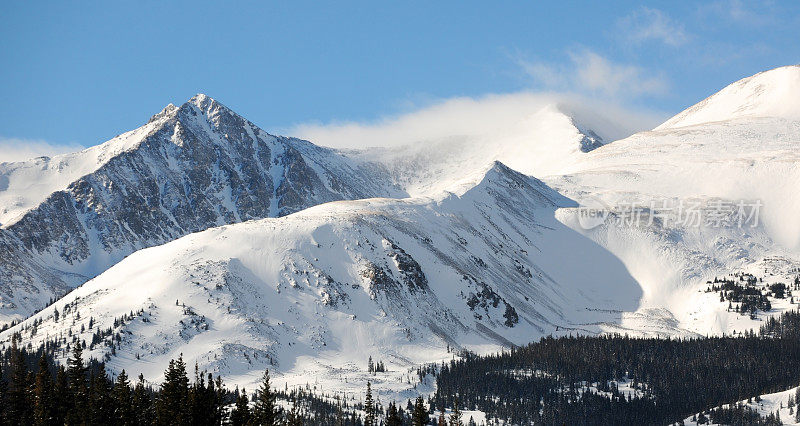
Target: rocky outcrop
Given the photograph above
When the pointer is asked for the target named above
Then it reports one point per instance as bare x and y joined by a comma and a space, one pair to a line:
201, 166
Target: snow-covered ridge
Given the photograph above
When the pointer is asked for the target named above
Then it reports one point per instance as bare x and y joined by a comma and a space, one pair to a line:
317, 291
25, 184
774, 93
189, 168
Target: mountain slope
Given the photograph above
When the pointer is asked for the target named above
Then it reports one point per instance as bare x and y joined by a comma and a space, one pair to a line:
700, 163
190, 168
770, 93
318, 291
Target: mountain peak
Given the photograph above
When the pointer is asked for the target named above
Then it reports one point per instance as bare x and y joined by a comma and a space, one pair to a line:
499, 183
774, 93
207, 105
201, 100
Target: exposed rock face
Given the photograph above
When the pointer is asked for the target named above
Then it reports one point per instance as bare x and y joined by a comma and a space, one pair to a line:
201, 166
590, 141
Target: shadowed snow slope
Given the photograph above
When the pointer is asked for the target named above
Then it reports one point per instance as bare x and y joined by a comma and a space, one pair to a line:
318, 291
695, 159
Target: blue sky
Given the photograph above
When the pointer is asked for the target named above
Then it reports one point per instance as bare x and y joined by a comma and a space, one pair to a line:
78, 73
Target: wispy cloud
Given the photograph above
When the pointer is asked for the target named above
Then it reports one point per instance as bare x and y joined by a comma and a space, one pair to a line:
590, 73
468, 118
17, 149
647, 24
753, 14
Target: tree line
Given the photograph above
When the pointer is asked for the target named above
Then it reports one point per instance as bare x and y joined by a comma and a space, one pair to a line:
35, 390
575, 379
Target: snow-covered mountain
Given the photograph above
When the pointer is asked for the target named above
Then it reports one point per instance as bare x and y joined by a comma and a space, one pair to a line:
770, 93
67, 218
749, 158
201, 165
322, 289
460, 251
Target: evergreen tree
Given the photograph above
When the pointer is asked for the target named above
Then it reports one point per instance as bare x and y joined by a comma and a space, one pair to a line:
369, 406
393, 417
122, 401
142, 404
240, 415
76, 374
3, 391
797, 401
172, 403
43, 394
18, 408
420, 416
265, 411
62, 401
202, 399
455, 416
219, 393
100, 403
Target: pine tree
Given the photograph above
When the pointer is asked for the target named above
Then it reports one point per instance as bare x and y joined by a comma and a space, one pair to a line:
455, 416
3, 391
142, 404
172, 403
217, 393
797, 400
43, 394
393, 417
264, 410
420, 416
76, 374
61, 397
202, 399
101, 409
17, 404
442, 418
122, 401
369, 406
240, 416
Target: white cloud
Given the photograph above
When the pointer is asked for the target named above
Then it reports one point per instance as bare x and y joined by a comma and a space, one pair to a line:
16, 149
594, 74
648, 24
472, 118
754, 14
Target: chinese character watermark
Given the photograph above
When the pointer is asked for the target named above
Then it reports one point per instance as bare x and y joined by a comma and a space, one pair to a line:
680, 213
